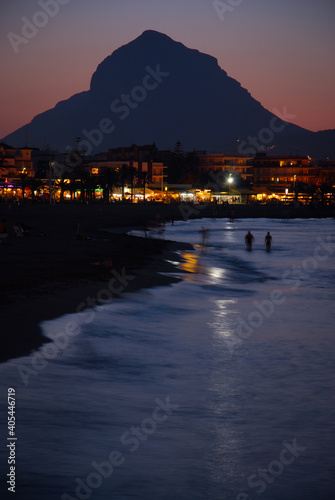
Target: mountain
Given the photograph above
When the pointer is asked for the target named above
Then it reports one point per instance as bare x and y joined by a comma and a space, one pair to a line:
157, 90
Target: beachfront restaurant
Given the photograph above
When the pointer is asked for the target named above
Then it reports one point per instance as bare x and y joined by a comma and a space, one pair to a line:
12, 190
138, 194
279, 195
179, 193
232, 196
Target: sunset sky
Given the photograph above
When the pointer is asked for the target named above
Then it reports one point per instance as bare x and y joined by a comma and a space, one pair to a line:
283, 51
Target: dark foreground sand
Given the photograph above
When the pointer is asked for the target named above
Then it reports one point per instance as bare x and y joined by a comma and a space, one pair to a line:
44, 277
68, 258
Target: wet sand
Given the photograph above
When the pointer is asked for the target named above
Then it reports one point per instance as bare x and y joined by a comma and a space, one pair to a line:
64, 264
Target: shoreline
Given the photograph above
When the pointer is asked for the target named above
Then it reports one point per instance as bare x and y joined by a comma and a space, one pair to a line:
56, 270
22, 314
69, 256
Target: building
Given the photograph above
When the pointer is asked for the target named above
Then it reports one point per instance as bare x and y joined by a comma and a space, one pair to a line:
132, 153
14, 162
325, 172
282, 177
234, 164
158, 174
282, 172
16, 168
155, 172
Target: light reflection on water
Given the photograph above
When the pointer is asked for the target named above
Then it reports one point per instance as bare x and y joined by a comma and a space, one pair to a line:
195, 270
239, 397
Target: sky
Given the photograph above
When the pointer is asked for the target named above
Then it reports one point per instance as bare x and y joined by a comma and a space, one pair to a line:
282, 51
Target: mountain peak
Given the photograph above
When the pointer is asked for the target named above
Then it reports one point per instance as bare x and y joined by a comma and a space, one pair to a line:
154, 37
148, 49
153, 34
152, 40
157, 89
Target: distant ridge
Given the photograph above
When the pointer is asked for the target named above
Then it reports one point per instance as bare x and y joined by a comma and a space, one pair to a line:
155, 89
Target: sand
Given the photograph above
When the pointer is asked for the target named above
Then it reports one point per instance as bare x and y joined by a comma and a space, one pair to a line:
65, 261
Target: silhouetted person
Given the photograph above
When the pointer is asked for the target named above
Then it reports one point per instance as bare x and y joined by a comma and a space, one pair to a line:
204, 237
268, 241
249, 240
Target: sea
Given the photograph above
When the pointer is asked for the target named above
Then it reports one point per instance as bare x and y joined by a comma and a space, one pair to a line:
220, 386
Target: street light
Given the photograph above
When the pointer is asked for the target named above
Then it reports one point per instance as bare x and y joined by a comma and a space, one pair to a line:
230, 180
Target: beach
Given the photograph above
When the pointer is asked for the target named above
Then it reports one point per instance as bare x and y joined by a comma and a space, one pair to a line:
66, 258
69, 254
199, 386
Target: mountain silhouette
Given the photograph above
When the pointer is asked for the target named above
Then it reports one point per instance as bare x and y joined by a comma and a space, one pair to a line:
155, 89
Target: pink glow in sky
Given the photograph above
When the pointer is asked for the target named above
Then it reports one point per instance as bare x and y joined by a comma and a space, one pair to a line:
281, 51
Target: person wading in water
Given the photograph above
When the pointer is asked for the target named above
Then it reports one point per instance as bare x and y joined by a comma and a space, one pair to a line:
268, 241
249, 240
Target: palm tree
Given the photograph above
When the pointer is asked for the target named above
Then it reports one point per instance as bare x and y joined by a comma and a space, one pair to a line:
72, 185
131, 175
80, 177
325, 188
311, 190
143, 177
23, 176
127, 175
107, 181
62, 185
90, 186
123, 178
299, 187
35, 184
